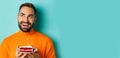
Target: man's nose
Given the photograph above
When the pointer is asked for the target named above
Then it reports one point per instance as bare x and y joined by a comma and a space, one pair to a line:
26, 19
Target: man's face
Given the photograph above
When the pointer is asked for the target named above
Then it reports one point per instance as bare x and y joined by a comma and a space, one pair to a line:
26, 18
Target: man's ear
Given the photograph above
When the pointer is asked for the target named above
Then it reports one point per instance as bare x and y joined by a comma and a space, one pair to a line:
17, 16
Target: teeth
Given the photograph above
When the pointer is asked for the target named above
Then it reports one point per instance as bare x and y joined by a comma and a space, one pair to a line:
25, 24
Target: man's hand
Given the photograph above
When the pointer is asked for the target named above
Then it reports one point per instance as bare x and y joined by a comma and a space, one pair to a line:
34, 54
28, 55
21, 55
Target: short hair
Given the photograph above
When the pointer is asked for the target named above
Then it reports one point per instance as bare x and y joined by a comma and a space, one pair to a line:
28, 5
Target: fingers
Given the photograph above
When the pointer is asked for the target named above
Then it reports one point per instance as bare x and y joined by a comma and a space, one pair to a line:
33, 54
30, 55
35, 50
21, 55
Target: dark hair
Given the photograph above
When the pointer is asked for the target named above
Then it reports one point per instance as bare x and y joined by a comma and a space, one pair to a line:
28, 5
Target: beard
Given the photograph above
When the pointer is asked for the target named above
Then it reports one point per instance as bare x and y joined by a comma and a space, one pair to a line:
25, 29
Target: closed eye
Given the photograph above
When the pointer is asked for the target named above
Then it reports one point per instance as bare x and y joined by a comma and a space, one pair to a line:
31, 16
22, 14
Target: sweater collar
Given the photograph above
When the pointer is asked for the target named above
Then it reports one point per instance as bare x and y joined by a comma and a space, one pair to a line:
32, 31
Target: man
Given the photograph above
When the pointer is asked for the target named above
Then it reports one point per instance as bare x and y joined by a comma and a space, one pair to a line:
27, 43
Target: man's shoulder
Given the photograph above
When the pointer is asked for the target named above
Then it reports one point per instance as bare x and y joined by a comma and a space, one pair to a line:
9, 38
43, 37
41, 34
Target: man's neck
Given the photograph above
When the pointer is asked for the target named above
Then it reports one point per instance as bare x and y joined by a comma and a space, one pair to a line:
27, 33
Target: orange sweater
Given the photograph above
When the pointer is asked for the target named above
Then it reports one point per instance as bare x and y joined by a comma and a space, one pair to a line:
41, 42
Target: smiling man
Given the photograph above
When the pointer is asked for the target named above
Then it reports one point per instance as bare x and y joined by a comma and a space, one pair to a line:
27, 43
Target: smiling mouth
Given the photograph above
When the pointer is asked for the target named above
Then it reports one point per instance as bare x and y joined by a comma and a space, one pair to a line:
25, 25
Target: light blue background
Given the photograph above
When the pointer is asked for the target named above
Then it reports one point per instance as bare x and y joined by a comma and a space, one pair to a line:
79, 29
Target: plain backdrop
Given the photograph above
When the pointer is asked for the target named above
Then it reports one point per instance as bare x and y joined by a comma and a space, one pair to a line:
78, 28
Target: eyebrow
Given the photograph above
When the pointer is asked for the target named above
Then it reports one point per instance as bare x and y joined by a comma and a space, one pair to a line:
22, 14
28, 15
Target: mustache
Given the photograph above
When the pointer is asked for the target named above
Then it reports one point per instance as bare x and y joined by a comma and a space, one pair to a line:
25, 23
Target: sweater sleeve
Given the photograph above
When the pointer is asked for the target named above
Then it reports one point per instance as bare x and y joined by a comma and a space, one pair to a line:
3, 50
50, 52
